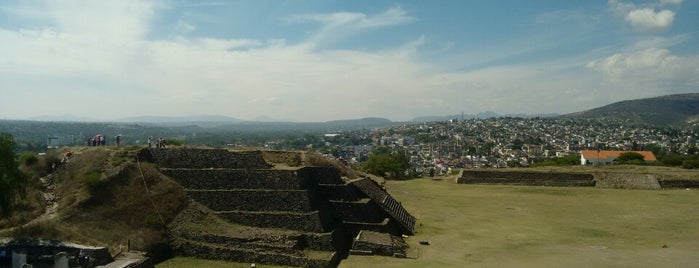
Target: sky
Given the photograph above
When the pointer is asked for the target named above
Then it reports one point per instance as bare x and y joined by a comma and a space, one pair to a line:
322, 60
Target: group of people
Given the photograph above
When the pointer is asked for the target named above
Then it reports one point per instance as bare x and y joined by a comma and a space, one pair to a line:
97, 140
160, 143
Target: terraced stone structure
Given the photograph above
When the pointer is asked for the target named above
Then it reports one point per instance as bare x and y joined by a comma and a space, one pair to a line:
294, 216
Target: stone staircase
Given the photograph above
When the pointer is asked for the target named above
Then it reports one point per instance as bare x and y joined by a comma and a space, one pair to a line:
304, 216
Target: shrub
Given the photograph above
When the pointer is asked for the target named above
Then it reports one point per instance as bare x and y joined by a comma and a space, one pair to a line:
92, 180
29, 158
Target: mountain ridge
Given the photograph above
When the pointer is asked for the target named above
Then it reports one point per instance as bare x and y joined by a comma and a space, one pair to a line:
664, 110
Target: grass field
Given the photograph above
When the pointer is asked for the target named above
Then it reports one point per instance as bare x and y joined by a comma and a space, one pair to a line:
526, 226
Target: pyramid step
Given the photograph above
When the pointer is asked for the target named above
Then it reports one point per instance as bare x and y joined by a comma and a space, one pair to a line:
239, 178
306, 258
313, 221
254, 200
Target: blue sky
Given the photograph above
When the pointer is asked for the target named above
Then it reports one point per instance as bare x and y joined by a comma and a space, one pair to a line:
313, 60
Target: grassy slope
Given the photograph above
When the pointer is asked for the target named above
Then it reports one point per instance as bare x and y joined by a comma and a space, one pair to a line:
508, 226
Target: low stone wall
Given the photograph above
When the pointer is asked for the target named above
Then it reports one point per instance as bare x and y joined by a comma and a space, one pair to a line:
309, 222
386, 226
373, 243
239, 178
254, 200
187, 248
526, 178
203, 158
666, 184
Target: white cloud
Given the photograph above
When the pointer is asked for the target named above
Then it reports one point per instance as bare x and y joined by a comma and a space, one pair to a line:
336, 26
645, 18
652, 71
648, 20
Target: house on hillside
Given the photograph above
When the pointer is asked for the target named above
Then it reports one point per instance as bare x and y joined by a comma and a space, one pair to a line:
603, 157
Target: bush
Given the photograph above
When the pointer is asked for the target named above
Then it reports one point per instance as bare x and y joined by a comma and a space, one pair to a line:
29, 158
173, 143
92, 180
568, 160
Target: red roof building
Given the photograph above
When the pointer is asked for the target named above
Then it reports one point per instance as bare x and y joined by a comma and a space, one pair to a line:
604, 157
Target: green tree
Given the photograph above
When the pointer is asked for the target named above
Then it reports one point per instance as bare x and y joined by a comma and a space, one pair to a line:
12, 181
568, 160
630, 158
383, 165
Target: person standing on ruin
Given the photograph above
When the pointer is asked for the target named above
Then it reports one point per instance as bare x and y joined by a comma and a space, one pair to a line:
118, 140
150, 142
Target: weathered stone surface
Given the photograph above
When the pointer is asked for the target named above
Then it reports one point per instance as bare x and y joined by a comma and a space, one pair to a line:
364, 210
254, 200
204, 158
303, 221
665, 184
209, 251
240, 178
379, 244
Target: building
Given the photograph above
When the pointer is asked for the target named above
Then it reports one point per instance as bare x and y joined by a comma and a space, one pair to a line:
604, 157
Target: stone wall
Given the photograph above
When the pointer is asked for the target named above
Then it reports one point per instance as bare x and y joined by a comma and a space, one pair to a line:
665, 184
340, 192
203, 158
252, 256
526, 178
363, 210
315, 221
239, 178
254, 200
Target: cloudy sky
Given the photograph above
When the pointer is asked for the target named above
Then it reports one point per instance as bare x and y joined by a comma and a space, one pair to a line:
320, 60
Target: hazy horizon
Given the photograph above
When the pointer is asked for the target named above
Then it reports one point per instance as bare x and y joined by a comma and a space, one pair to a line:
315, 61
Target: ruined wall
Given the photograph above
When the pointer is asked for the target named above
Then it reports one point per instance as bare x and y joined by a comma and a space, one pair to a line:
315, 221
526, 178
254, 200
363, 210
203, 158
665, 184
239, 178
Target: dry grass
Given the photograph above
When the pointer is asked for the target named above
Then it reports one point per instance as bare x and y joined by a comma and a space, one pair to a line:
113, 209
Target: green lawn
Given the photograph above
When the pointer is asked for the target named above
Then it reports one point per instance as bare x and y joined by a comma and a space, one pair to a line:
526, 226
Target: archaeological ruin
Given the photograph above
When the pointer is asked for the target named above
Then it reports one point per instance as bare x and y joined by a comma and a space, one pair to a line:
243, 208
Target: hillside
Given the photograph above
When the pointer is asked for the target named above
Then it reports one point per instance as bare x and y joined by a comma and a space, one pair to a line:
661, 111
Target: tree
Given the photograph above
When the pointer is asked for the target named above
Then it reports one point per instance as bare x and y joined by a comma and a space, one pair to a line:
630, 158
383, 165
12, 181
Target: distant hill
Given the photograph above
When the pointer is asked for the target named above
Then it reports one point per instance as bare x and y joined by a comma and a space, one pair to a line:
483, 115
175, 121
659, 111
